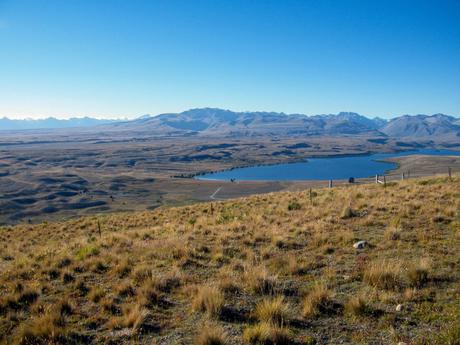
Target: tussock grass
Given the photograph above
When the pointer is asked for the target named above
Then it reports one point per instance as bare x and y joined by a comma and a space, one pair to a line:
211, 335
209, 300
264, 273
384, 275
274, 310
267, 334
419, 272
317, 301
133, 317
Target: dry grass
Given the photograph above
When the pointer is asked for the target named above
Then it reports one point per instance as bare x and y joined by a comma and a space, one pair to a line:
211, 335
251, 265
208, 299
384, 275
267, 334
418, 273
274, 310
317, 301
133, 317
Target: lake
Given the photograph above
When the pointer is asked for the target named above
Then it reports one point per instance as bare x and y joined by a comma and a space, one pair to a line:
330, 168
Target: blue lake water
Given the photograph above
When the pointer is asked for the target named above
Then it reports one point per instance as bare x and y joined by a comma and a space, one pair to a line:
331, 168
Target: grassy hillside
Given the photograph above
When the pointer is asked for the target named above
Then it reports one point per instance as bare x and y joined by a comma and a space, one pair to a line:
269, 269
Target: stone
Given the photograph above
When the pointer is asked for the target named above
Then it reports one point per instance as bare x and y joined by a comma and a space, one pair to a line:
399, 307
360, 245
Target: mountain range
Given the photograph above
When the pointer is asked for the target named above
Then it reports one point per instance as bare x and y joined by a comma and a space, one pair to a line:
219, 122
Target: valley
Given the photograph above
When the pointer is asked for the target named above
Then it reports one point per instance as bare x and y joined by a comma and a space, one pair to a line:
61, 174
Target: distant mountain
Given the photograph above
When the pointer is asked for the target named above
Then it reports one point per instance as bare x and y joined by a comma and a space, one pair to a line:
423, 126
213, 121
226, 123
50, 123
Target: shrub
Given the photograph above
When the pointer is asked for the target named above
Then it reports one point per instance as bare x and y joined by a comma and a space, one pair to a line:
208, 299
211, 335
273, 310
267, 334
294, 205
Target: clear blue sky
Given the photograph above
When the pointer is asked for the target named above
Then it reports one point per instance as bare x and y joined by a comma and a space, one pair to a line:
127, 58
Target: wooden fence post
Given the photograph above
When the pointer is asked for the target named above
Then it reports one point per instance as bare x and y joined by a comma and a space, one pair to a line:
376, 178
330, 183
402, 176
99, 228
311, 197
450, 173
384, 181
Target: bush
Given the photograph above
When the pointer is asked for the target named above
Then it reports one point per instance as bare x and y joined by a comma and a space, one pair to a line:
294, 205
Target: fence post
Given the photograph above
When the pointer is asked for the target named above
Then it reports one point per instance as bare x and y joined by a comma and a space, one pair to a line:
402, 176
377, 178
450, 173
311, 197
330, 183
384, 181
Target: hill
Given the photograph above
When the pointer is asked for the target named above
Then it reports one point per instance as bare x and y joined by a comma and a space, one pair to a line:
214, 122
225, 123
279, 268
423, 126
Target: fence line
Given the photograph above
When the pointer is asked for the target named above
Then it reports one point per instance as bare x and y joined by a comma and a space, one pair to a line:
382, 179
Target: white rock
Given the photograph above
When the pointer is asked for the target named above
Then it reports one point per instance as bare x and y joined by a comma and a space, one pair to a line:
360, 245
399, 307
402, 343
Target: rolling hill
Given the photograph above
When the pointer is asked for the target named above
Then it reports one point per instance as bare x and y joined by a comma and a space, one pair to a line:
351, 265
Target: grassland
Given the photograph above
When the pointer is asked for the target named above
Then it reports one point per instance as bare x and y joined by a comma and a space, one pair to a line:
277, 268
60, 175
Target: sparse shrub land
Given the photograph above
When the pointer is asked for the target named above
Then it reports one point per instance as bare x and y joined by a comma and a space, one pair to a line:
362, 264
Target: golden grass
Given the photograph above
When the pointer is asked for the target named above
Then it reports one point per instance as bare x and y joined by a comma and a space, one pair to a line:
317, 301
274, 310
265, 333
211, 335
208, 299
263, 273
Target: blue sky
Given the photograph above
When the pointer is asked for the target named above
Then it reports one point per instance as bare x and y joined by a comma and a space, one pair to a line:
129, 58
